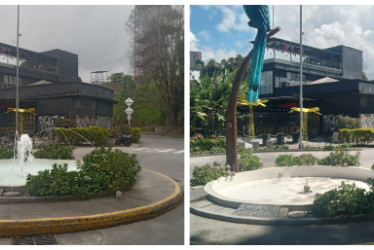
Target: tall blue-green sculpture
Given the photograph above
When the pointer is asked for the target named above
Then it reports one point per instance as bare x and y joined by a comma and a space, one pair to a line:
259, 16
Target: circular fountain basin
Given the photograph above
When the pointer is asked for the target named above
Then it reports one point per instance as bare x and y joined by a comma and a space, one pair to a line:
13, 174
283, 186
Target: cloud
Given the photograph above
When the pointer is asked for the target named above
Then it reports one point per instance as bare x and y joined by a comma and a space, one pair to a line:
96, 33
217, 55
233, 18
194, 42
205, 34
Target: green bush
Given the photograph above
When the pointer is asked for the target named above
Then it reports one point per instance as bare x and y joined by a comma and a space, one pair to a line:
101, 170
248, 161
57, 181
289, 160
201, 144
207, 173
347, 199
136, 134
285, 160
54, 151
306, 160
121, 168
76, 136
357, 135
6, 153
340, 158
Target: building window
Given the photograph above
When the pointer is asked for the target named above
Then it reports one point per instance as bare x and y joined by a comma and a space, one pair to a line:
10, 80
266, 86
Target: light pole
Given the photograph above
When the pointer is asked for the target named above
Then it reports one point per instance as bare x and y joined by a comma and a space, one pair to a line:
17, 83
129, 110
301, 78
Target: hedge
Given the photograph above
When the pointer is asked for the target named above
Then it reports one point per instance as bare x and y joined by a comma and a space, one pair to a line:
76, 136
357, 135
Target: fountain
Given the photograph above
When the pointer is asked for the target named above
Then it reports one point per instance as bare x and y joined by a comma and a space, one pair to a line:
13, 172
292, 187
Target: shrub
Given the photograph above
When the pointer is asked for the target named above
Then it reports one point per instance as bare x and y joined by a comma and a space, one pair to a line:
306, 160
285, 160
347, 199
136, 134
207, 173
248, 161
76, 136
57, 181
54, 151
199, 144
358, 135
101, 170
6, 153
340, 158
121, 168
302, 160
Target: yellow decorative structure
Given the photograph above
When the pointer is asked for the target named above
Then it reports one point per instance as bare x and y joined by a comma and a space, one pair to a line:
305, 117
31, 111
244, 102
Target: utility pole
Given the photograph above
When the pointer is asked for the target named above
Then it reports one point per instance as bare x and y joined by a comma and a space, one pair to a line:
17, 81
301, 78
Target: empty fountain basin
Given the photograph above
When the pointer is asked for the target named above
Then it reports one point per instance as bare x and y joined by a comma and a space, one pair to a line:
283, 186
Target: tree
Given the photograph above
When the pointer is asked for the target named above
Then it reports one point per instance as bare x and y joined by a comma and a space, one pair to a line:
159, 52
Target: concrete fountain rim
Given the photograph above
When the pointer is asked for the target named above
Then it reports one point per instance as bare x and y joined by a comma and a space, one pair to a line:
350, 173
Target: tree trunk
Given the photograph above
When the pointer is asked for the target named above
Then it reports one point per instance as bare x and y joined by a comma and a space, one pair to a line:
171, 117
231, 128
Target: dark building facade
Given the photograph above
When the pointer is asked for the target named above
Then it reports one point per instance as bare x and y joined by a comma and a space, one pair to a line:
332, 80
49, 83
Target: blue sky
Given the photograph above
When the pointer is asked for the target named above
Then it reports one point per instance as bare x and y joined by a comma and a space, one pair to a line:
221, 32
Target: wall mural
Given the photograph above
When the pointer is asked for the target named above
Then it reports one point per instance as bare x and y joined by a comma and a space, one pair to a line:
367, 120
331, 122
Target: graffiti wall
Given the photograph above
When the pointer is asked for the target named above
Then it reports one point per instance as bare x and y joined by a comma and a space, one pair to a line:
46, 124
331, 123
367, 121
87, 121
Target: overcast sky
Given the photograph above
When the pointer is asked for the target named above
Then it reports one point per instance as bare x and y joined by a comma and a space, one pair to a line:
97, 34
222, 31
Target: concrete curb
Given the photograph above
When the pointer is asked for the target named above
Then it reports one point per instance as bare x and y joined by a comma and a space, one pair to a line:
279, 222
77, 223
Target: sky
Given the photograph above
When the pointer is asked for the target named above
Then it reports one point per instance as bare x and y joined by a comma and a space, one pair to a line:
97, 34
221, 32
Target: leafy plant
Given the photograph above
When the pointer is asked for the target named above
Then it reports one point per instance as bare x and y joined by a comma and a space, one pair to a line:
76, 136
6, 153
136, 134
101, 170
248, 161
347, 199
285, 160
340, 158
207, 173
54, 151
306, 160
120, 168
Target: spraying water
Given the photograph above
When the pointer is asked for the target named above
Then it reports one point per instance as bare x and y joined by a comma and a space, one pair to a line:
24, 148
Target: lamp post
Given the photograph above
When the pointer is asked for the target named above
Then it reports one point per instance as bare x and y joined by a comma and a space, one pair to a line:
129, 110
301, 79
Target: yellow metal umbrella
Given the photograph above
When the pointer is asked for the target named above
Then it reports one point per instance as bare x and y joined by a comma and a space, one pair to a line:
244, 102
305, 116
21, 111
